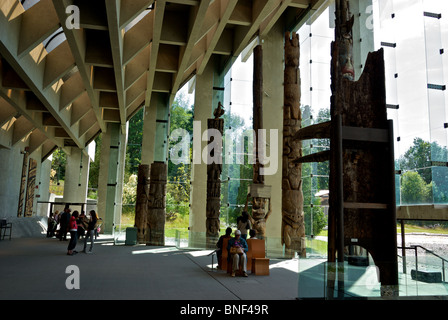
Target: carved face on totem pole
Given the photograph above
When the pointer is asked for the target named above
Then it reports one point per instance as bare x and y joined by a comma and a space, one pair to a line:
258, 208
345, 52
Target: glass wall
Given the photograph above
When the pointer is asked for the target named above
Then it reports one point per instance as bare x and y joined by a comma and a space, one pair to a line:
411, 33
315, 38
237, 170
414, 37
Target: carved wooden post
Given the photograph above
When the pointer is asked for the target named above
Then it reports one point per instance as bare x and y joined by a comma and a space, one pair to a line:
23, 182
31, 187
214, 170
293, 224
259, 192
141, 206
362, 179
155, 233
258, 111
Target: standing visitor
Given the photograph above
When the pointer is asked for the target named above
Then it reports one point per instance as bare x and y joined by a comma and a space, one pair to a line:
73, 227
91, 228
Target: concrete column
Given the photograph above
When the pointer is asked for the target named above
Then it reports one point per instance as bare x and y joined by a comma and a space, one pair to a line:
149, 133
203, 109
43, 193
273, 65
120, 174
76, 177
155, 149
109, 176
156, 129
11, 161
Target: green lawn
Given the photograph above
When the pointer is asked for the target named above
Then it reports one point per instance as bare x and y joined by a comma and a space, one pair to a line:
408, 229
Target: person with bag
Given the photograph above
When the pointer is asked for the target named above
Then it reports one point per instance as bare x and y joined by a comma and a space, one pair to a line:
91, 227
237, 248
73, 228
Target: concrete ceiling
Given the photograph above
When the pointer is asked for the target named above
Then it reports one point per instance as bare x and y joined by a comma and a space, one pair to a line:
60, 86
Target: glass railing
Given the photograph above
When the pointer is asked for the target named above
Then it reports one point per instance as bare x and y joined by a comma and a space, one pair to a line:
421, 273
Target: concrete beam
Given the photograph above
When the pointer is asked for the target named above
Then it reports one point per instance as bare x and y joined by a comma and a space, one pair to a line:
31, 68
116, 35
77, 42
159, 12
226, 10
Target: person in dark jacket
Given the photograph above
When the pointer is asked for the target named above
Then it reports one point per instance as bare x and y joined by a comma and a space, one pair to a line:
220, 245
63, 222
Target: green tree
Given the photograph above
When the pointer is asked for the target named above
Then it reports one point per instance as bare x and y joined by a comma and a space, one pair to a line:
181, 118
418, 157
134, 145
414, 189
58, 164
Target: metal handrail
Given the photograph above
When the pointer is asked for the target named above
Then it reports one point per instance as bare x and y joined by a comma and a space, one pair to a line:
414, 247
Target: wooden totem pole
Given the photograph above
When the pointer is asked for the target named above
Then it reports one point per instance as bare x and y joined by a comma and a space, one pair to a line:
155, 226
141, 206
23, 182
31, 187
214, 170
362, 209
362, 177
260, 193
293, 224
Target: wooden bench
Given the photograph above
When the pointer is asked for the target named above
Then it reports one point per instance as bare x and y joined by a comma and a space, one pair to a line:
257, 262
4, 226
256, 257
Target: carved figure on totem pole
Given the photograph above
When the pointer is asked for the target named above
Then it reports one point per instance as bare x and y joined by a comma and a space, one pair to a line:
155, 234
214, 170
259, 215
293, 226
141, 206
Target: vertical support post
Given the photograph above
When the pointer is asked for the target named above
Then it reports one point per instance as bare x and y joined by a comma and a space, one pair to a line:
403, 245
339, 203
108, 176
203, 110
76, 177
391, 289
258, 110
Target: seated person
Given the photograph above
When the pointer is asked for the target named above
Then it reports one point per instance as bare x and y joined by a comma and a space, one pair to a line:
253, 234
238, 258
220, 243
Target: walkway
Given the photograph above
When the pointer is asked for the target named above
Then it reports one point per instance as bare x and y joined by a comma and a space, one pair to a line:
35, 268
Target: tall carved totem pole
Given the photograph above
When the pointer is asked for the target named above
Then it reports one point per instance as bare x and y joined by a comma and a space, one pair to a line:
260, 193
141, 206
214, 170
155, 233
293, 224
362, 178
